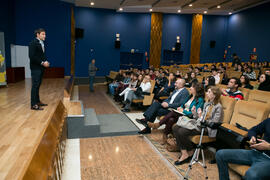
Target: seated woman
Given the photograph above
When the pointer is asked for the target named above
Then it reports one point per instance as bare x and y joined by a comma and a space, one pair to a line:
185, 128
245, 82
250, 73
137, 93
264, 82
132, 85
167, 88
116, 81
195, 100
190, 78
209, 81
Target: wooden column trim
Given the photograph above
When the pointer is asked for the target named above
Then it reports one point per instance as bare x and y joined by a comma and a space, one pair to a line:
197, 20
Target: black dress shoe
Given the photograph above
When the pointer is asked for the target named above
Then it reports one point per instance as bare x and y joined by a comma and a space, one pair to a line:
125, 110
145, 131
177, 163
42, 104
142, 121
36, 107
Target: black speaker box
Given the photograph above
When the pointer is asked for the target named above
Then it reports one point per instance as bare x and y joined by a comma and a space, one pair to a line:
79, 33
212, 44
117, 44
177, 46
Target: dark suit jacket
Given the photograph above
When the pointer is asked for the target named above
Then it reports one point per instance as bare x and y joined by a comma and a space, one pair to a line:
179, 100
36, 55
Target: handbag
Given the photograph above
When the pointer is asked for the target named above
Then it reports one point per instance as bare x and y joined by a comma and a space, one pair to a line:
188, 123
138, 92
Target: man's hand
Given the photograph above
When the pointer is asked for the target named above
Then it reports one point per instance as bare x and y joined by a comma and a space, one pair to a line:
46, 64
165, 105
252, 140
263, 145
224, 92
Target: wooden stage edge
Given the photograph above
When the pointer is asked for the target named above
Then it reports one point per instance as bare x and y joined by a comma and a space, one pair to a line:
32, 143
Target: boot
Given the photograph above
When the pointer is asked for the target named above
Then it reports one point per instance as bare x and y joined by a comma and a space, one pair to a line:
153, 125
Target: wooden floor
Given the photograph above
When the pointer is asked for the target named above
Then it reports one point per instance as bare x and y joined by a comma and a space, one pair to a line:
21, 129
97, 100
122, 158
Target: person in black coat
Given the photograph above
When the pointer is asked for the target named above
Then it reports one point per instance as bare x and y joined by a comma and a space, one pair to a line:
38, 63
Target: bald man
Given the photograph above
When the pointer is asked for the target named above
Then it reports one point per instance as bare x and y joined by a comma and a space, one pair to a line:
175, 100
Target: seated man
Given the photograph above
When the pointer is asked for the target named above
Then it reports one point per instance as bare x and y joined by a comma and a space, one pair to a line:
258, 157
176, 99
232, 90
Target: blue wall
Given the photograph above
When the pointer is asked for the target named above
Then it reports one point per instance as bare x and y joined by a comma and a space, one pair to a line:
54, 16
250, 29
100, 27
177, 25
7, 26
214, 28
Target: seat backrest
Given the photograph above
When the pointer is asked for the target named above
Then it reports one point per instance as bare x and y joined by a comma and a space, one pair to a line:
234, 74
249, 113
254, 83
153, 82
221, 86
228, 107
245, 93
259, 96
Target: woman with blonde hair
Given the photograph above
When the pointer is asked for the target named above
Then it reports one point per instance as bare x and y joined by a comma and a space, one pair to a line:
185, 128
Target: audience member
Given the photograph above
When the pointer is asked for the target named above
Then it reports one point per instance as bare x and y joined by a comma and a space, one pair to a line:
167, 88
131, 86
236, 59
232, 90
137, 93
245, 82
250, 73
186, 127
209, 81
175, 100
215, 75
258, 158
196, 99
264, 82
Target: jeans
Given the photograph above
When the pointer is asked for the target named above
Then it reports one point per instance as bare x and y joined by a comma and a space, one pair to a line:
112, 87
91, 83
260, 163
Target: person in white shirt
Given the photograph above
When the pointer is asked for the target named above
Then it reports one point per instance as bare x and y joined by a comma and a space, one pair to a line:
137, 93
215, 74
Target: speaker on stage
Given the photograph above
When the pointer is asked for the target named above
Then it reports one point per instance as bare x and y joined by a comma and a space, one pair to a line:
79, 33
212, 44
117, 44
177, 46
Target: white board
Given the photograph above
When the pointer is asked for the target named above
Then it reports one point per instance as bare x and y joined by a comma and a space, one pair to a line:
19, 58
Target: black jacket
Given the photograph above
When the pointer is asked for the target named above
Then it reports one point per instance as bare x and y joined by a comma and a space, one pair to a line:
36, 55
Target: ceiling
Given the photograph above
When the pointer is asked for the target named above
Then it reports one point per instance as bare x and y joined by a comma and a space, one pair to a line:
172, 6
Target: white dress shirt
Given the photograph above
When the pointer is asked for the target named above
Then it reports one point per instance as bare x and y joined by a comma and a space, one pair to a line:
146, 87
175, 94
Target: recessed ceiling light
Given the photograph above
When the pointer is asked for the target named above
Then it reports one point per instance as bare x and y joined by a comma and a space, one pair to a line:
151, 10
205, 12
92, 3
218, 6
179, 11
230, 13
190, 5
120, 9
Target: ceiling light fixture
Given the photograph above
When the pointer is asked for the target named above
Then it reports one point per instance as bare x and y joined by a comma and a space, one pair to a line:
218, 6
92, 3
190, 5
230, 13
179, 11
151, 10
120, 9
205, 12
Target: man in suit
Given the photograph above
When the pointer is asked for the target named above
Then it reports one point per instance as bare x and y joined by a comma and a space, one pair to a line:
38, 63
175, 100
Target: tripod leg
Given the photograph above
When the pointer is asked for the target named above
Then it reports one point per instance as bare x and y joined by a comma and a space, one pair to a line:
204, 165
193, 160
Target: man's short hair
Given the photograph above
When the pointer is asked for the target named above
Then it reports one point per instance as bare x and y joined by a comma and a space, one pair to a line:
39, 30
237, 81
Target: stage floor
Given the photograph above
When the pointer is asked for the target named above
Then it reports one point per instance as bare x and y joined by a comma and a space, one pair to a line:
21, 128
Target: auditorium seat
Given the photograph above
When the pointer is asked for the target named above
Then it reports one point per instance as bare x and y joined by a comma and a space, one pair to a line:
247, 114
228, 107
259, 96
245, 93
147, 100
240, 169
